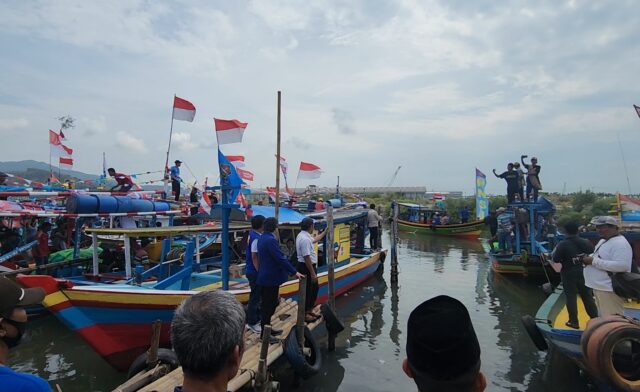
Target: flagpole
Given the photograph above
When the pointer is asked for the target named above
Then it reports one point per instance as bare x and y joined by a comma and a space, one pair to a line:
278, 160
166, 162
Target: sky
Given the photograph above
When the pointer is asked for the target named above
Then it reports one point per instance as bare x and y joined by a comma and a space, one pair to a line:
437, 87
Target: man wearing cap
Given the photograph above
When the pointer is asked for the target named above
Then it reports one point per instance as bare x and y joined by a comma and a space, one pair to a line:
13, 321
175, 179
307, 264
533, 179
505, 227
612, 254
443, 353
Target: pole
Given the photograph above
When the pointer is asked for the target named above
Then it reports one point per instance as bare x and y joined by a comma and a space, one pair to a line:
278, 158
263, 375
302, 297
394, 242
224, 186
166, 162
331, 277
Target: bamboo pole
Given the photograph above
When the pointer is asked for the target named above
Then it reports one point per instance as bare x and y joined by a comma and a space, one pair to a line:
278, 129
302, 297
262, 376
394, 242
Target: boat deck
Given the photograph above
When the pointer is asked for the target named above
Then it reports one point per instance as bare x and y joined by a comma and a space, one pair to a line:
631, 309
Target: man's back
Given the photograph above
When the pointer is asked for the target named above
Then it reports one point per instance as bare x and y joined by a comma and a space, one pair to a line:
571, 246
373, 218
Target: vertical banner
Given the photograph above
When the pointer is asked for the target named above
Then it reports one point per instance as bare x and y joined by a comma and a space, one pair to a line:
482, 202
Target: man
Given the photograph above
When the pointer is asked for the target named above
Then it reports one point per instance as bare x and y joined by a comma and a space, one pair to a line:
207, 334
124, 182
521, 180
307, 264
511, 177
491, 220
464, 215
612, 254
175, 179
253, 265
533, 179
274, 269
373, 222
13, 321
443, 353
566, 252
41, 250
505, 227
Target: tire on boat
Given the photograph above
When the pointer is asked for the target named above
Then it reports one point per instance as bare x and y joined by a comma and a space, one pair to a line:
603, 356
332, 322
305, 366
534, 333
165, 356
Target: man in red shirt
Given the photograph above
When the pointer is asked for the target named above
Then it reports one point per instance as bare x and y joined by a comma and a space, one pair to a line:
41, 251
123, 181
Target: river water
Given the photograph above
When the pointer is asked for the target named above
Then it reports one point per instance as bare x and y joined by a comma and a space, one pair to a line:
370, 351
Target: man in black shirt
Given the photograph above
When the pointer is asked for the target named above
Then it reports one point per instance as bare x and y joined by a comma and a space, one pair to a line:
511, 177
533, 179
566, 252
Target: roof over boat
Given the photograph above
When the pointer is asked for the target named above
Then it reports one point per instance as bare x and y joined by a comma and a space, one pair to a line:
285, 215
212, 227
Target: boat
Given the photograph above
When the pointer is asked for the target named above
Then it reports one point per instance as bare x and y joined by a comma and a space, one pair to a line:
414, 217
530, 253
548, 330
114, 319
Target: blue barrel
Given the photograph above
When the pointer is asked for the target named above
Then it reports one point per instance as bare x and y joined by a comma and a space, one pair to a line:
107, 204
82, 204
141, 205
124, 204
161, 206
335, 203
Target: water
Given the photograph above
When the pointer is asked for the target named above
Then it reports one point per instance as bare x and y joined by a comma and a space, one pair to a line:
369, 353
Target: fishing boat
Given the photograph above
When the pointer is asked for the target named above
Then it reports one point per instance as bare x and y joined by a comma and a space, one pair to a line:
548, 330
418, 218
114, 319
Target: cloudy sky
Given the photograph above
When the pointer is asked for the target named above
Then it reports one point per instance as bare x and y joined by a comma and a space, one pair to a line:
438, 87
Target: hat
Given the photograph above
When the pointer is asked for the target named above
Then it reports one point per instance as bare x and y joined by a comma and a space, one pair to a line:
501, 209
442, 345
516, 164
12, 295
320, 199
177, 161
606, 220
534, 158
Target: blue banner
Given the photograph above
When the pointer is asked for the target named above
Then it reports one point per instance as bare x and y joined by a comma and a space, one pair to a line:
482, 202
228, 172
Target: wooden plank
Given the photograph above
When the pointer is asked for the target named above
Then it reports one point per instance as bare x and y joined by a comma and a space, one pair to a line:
168, 230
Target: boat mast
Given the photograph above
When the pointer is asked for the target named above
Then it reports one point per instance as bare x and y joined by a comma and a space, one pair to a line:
278, 159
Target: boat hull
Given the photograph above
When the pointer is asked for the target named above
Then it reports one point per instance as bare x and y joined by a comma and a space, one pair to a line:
471, 229
510, 265
116, 321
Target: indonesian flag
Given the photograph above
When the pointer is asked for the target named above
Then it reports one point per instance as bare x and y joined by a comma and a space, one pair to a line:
240, 199
309, 170
284, 166
183, 110
244, 174
62, 137
56, 146
229, 131
438, 197
637, 108
236, 160
66, 163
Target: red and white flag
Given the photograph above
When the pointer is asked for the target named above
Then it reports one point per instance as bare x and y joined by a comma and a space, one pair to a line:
62, 137
244, 174
229, 131
236, 160
183, 110
309, 170
56, 146
66, 163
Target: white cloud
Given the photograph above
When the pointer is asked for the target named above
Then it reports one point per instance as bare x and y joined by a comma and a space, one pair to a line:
129, 142
11, 124
182, 141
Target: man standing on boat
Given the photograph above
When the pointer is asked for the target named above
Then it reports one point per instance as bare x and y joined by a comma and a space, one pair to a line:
176, 179
533, 179
252, 267
13, 322
567, 253
511, 177
307, 264
612, 254
124, 182
374, 221
274, 270
505, 227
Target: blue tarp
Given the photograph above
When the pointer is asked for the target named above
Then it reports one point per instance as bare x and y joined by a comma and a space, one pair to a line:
285, 215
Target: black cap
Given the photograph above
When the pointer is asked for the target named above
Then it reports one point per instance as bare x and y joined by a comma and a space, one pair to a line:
12, 296
177, 161
442, 345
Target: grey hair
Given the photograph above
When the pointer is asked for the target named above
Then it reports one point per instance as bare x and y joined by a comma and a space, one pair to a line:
204, 332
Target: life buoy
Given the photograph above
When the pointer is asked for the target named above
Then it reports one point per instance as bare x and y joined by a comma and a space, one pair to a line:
305, 366
534, 333
605, 358
332, 322
165, 356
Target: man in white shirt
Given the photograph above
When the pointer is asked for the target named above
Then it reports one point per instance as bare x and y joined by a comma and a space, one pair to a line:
612, 254
373, 222
308, 262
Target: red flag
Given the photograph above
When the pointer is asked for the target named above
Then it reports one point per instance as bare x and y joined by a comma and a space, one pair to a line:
309, 170
183, 110
56, 146
66, 163
245, 174
229, 131
236, 160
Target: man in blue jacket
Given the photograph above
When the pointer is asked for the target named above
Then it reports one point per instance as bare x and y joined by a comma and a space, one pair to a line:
274, 270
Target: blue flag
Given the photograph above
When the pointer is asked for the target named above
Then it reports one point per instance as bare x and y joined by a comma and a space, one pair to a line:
228, 172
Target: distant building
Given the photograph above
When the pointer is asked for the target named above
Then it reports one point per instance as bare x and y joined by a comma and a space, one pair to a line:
447, 195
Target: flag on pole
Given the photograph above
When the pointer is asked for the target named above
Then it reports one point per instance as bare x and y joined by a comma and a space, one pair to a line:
66, 163
62, 137
183, 110
309, 170
228, 172
244, 174
637, 108
236, 160
229, 131
482, 201
56, 146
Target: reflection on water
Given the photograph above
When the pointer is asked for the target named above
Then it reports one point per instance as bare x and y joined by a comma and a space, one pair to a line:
370, 351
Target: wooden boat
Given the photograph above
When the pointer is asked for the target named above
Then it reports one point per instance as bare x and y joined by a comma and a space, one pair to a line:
412, 217
115, 319
549, 324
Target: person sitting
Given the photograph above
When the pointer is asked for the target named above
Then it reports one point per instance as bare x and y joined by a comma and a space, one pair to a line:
443, 352
124, 182
207, 335
445, 219
436, 219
